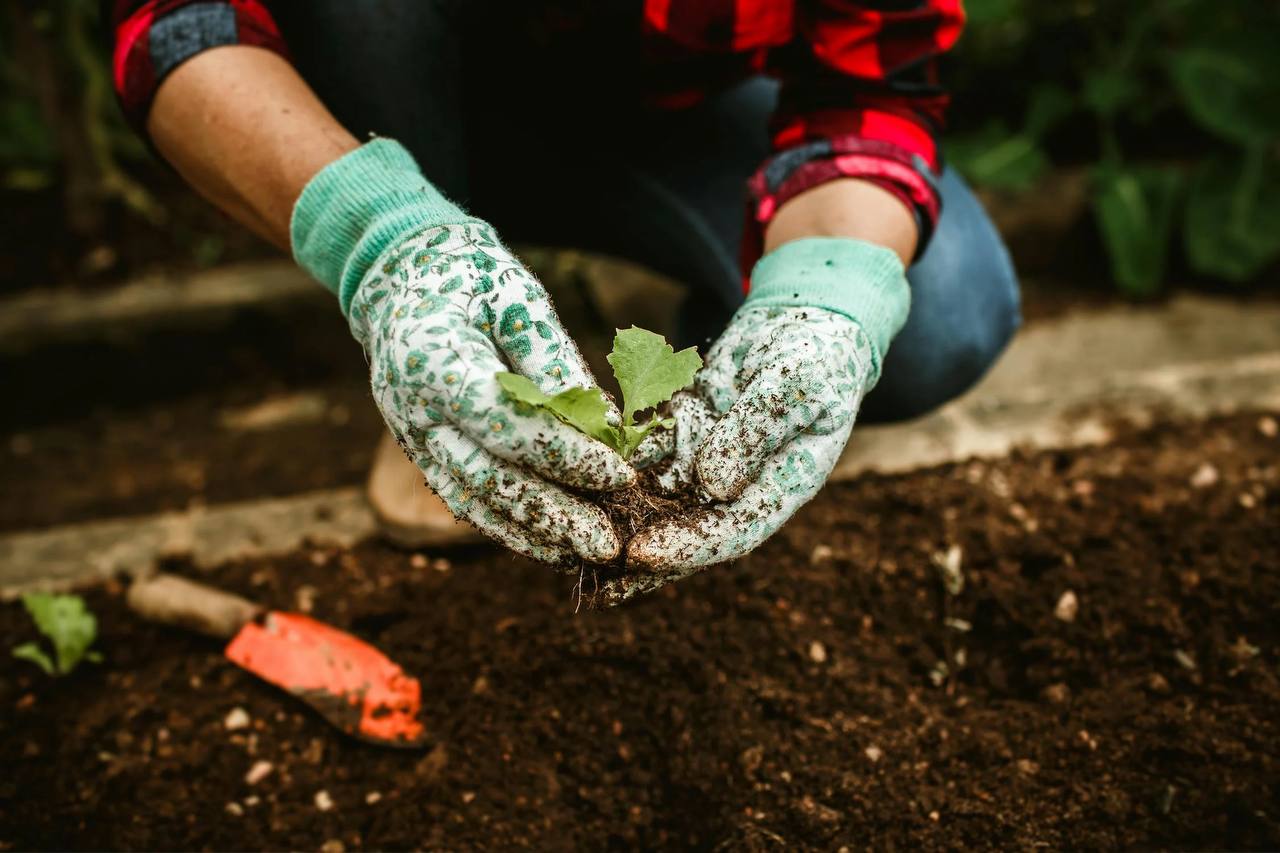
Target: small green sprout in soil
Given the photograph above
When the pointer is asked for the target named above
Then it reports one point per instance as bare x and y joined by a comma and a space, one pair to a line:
649, 372
69, 627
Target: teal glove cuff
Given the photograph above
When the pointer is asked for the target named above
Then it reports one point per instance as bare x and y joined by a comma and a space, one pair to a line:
358, 206
860, 280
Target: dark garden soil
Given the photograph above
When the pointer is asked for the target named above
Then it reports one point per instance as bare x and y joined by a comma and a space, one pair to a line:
794, 700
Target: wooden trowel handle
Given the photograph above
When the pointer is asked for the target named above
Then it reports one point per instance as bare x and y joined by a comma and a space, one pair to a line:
182, 603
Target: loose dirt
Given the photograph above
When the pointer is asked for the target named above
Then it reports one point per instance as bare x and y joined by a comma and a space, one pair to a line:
1105, 677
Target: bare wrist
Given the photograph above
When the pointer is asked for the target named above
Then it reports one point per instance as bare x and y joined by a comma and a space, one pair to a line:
847, 207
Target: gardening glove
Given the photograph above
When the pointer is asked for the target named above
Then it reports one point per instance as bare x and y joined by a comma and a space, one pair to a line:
441, 306
772, 410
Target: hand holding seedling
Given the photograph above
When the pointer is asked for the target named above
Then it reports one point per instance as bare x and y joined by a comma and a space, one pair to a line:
773, 408
440, 307
439, 317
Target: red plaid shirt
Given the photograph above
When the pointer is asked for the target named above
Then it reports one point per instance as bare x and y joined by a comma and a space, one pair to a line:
860, 95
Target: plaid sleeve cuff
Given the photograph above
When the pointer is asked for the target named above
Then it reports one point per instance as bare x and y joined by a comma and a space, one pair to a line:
893, 153
162, 34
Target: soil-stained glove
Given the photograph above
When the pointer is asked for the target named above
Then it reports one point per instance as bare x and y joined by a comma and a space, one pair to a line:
774, 406
440, 307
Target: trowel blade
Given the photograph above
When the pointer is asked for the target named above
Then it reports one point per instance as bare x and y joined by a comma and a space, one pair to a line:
353, 685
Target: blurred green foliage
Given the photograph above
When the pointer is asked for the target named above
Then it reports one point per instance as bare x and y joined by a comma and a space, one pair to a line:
1173, 104
61, 122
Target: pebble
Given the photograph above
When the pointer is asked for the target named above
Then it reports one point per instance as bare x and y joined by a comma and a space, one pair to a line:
468, 796
333, 845
1157, 683
1204, 477
418, 561
1184, 660
305, 597
949, 564
1028, 767
1067, 607
440, 564
234, 809
252, 801
817, 652
324, 802
874, 753
1057, 694
1267, 426
237, 718
259, 771
372, 797
820, 554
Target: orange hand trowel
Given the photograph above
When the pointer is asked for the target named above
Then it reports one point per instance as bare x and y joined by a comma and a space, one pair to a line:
353, 685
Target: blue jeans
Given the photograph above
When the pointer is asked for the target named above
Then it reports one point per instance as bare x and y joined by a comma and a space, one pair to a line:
562, 152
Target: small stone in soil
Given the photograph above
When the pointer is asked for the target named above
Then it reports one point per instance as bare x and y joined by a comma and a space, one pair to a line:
418, 561
333, 845
234, 809
305, 598
237, 718
1268, 427
874, 753
817, 652
324, 802
259, 771
1204, 477
1056, 694
1067, 607
372, 797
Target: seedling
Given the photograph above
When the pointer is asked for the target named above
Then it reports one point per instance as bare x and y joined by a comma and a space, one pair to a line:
649, 372
69, 627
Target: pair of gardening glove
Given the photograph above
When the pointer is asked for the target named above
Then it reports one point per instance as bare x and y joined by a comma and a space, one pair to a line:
441, 306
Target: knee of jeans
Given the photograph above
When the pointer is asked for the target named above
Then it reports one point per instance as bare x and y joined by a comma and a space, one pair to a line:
936, 361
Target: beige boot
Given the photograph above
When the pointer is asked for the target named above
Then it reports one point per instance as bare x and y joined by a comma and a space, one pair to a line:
410, 513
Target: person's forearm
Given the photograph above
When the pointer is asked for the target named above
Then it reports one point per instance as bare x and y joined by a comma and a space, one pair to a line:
847, 207
244, 129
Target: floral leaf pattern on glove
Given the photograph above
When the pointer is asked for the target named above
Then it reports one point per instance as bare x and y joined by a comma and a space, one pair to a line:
439, 315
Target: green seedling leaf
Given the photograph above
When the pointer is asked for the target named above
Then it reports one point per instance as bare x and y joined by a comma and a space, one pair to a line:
33, 653
581, 408
649, 370
69, 626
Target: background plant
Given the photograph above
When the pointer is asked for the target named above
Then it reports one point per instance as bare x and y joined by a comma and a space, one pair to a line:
62, 124
1173, 105
67, 624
